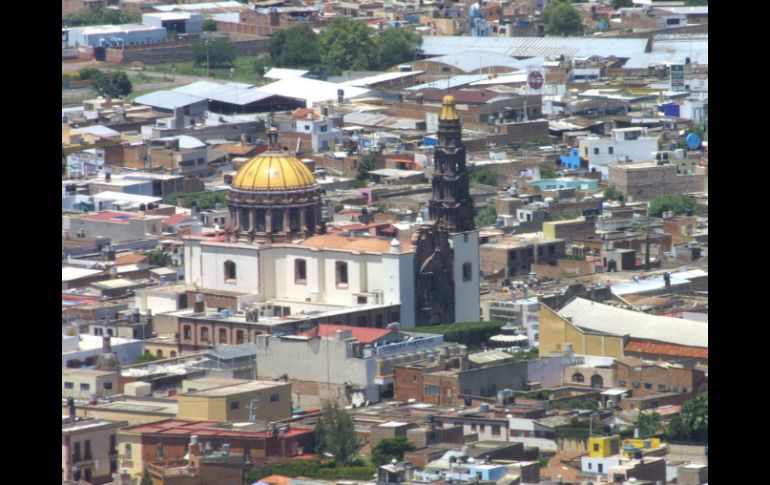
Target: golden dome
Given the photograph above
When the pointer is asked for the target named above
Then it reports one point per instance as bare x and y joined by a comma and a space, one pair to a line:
273, 171
448, 112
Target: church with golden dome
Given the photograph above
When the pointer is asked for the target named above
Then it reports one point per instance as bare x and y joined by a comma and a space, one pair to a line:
274, 197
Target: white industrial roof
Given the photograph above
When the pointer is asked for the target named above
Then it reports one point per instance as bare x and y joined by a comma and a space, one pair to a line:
98, 130
69, 273
655, 282
379, 78
115, 29
168, 99
452, 82
121, 197
186, 141
311, 90
232, 93
169, 15
199, 6
282, 73
609, 319
519, 77
471, 60
438, 45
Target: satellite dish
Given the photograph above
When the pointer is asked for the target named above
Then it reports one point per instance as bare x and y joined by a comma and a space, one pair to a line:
693, 141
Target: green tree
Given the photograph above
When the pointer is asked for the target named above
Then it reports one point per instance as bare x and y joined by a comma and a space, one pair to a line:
320, 437
561, 18
339, 436
693, 422
217, 53
390, 448
210, 25
486, 216
145, 358
98, 15
648, 424
121, 84
295, 47
111, 84
368, 163
396, 46
611, 193
159, 258
484, 176
677, 203
89, 73
347, 44
261, 64
547, 172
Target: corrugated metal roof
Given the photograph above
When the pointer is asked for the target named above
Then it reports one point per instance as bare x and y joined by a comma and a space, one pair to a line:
472, 60
609, 319
452, 82
440, 45
311, 90
281, 73
168, 99
232, 93
379, 78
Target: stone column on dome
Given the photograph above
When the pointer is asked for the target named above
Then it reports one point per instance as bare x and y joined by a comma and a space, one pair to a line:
302, 221
237, 218
286, 220
253, 219
268, 221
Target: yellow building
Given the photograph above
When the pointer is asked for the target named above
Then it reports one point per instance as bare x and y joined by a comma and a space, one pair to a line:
603, 446
631, 446
270, 400
556, 331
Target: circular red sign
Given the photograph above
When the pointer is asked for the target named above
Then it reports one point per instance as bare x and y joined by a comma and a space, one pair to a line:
535, 80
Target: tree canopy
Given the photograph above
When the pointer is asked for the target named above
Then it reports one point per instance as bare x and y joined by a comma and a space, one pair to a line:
561, 18
368, 163
484, 176
295, 47
159, 258
676, 203
98, 15
396, 46
217, 53
693, 422
335, 434
347, 45
611, 193
390, 448
108, 84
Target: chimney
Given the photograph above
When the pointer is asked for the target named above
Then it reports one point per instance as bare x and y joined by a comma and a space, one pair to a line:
106, 345
340, 95
200, 304
71, 407
194, 450
107, 176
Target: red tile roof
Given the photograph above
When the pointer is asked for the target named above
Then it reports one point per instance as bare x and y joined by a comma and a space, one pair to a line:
111, 216
667, 349
362, 334
175, 219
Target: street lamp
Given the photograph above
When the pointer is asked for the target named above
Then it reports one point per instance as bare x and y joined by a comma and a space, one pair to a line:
207, 56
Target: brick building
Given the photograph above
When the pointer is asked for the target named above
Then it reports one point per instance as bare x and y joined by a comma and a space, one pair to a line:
514, 255
646, 180
643, 378
168, 440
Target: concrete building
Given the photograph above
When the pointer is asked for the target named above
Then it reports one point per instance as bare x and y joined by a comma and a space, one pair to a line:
85, 383
337, 367
625, 144
115, 225
643, 378
115, 35
266, 400
89, 449
83, 350
513, 256
178, 22
641, 181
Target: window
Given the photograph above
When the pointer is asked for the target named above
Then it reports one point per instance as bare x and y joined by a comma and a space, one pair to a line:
307, 127
590, 465
647, 385
597, 381
622, 383
481, 428
222, 335
87, 450
108, 385
636, 384
85, 387
610, 150
172, 354
495, 430
473, 427
596, 446
578, 377
159, 452
684, 389
159, 354
234, 405
585, 150
341, 271
540, 250
69, 385
274, 397
512, 255
661, 387
239, 337
596, 151
300, 271
530, 251
187, 332
113, 444
230, 272
127, 451
467, 272
324, 128
76, 452
205, 334
551, 249
431, 390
